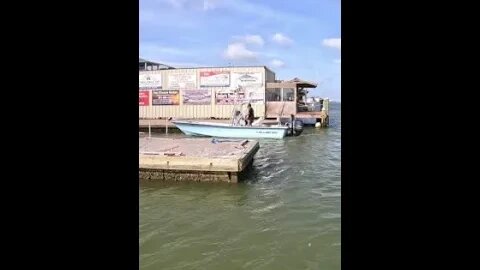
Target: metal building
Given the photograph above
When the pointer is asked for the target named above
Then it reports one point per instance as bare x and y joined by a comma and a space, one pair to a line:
208, 92
214, 92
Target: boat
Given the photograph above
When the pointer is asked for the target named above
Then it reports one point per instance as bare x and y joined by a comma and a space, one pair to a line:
237, 128
197, 128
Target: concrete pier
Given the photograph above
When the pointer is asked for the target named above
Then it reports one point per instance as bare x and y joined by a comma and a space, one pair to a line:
195, 159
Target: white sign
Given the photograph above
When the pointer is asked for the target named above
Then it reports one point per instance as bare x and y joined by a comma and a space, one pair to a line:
146, 80
182, 80
240, 95
214, 78
250, 84
253, 79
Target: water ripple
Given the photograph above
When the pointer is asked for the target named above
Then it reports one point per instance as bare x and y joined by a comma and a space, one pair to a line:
286, 215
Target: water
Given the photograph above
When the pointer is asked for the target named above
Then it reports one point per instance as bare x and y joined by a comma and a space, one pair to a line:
286, 215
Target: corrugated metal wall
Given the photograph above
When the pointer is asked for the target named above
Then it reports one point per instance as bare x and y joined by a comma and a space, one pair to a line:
270, 76
201, 111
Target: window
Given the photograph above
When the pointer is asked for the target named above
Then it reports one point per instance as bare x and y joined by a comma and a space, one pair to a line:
288, 94
273, 94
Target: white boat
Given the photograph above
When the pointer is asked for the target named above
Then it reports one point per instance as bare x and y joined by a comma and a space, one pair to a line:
197, 128
237, 129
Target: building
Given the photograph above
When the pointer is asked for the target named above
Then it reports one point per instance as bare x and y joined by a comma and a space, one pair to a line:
149, 65
214, 92
287, 98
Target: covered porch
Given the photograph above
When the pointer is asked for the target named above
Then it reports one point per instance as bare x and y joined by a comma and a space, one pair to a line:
286, 98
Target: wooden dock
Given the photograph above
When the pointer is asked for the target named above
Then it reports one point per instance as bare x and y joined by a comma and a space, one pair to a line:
195, 159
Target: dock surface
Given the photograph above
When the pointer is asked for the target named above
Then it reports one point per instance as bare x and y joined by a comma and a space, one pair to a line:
195, 159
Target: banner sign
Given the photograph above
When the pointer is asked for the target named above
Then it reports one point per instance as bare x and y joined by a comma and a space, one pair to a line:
182, 79
214, 78
165, 97
152, 80
144, 97
197, 97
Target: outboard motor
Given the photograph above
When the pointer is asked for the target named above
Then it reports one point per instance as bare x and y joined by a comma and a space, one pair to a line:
295, 126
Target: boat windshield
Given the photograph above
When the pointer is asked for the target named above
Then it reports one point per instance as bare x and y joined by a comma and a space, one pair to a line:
238, 118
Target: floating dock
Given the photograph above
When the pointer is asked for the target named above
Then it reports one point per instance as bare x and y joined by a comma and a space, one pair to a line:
195, 159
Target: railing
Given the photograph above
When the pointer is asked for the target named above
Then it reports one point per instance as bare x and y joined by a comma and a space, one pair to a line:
150, 125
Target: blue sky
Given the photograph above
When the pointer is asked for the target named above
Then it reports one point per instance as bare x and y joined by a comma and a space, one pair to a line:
293, 38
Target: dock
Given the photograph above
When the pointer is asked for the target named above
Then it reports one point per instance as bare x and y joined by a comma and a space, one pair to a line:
195, 159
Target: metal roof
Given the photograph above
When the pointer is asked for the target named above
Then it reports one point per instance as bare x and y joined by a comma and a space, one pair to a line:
161, 66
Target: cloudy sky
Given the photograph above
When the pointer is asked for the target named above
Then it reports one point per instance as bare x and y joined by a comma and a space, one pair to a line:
293, 38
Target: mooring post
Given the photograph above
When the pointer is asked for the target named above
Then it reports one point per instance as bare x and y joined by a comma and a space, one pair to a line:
166, 125
292, 123
149, 129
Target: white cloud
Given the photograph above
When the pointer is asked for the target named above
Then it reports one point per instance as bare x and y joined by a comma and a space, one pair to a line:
176, 3
209, 4
337, 61
251, 39
238, 51
282, 39
277, 63
193, 4
333, 43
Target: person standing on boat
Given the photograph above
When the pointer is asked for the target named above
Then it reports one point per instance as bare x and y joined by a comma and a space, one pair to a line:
250, 115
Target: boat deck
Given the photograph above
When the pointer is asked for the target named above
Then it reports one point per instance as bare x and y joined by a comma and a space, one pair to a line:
162, 123
195, 159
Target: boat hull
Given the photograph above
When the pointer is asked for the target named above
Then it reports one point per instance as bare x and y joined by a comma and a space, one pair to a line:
227, 131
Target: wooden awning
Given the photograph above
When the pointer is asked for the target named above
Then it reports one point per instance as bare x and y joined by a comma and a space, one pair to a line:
294, 83
303, 83
281, 85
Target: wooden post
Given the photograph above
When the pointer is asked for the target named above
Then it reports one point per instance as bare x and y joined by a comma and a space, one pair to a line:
326, 104
295, 98
150, 117
149, 129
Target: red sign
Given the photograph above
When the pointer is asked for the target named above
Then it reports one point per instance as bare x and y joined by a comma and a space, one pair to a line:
144, 98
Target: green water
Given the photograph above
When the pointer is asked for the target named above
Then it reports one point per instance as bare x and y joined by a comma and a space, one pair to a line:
286, 215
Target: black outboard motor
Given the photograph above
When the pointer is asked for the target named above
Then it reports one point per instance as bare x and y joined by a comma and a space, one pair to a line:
295, 126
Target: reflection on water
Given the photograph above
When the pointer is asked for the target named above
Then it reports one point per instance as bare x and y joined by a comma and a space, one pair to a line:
285, 215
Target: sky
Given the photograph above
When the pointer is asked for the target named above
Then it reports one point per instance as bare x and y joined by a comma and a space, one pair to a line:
298, 38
